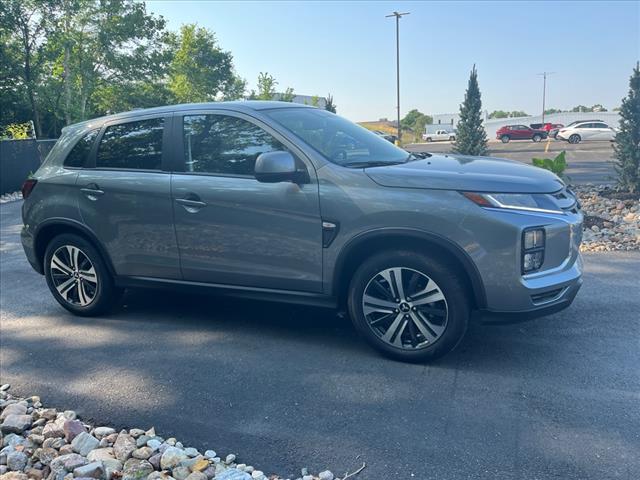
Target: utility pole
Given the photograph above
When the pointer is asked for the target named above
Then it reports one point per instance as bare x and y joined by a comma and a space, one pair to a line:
398, 17
544, 90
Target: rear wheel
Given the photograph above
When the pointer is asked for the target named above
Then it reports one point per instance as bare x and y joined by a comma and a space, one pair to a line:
77, 276
409, 306
575, 138
536, 138
505, 138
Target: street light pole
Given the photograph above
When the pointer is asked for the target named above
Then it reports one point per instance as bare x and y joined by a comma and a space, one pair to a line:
398, 16
544, 90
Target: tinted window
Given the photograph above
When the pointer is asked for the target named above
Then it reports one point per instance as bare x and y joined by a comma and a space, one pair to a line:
600, 125
585, 125
337, 139
79, 153
223, 144
135, 145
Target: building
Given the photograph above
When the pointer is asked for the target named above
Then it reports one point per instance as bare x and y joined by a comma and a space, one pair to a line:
305, 100
448, 121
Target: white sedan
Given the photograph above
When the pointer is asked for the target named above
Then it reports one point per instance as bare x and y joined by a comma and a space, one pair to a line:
587, 131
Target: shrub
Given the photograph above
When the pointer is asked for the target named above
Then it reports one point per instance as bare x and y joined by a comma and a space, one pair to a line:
556, 165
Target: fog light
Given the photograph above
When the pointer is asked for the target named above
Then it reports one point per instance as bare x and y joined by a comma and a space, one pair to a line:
533, 239
532, 261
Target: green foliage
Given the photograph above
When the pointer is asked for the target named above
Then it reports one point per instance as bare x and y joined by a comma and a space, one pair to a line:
315, 101
16, 131
329, 105
512, 114
266, 87
556, 165
593, 108
210, 77
415, 121
288, 95
549, 111
471, 137
627, 141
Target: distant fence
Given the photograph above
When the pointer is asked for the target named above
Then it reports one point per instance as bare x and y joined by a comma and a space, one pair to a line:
18, 158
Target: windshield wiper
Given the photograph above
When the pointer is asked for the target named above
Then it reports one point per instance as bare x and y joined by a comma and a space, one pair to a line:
371, 163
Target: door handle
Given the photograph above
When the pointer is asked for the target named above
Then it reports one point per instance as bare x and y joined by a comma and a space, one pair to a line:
191, 203
92, 191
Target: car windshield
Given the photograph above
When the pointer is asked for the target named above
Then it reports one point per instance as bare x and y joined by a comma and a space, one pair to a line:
337, 139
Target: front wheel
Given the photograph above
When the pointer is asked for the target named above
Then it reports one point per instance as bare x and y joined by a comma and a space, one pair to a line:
428, 139
537, 138
77, 276
409, 306
505, 138
574, 138
452, 139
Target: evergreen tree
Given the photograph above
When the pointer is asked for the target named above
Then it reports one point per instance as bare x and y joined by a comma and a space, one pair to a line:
471, 138
627, 144
330, 106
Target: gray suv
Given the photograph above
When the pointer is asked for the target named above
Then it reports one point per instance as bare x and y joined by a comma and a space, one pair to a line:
286, 202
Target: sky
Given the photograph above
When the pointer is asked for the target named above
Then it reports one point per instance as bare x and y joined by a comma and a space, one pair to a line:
348, 49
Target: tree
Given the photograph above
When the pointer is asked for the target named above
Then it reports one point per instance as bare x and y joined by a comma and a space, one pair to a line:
199, 70
627, 141
512, 114
288, 95
329, 105
580, 108
598, 108
550, 111
266, 86
415, 121
471, 138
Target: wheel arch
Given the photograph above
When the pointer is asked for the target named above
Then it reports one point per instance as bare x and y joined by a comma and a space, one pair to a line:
356, 250
50, 229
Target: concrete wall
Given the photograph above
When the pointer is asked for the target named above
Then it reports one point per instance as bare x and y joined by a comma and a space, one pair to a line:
19, 158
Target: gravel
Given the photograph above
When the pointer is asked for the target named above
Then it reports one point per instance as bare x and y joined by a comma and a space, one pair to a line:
38, 443
612, 219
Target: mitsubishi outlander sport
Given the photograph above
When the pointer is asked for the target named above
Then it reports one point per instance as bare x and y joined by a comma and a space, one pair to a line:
286, 202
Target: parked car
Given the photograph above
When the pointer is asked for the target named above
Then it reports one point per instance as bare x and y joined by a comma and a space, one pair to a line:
438, 136
587, 131
387, 136
520, 132
262, 200
554, 129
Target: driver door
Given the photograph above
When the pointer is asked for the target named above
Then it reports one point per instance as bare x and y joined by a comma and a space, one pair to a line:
232, 229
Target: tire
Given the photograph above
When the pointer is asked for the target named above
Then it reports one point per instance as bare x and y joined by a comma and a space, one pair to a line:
452, 139
536, 138
93, 292
575, 138
428, 139
505, 138
405, 328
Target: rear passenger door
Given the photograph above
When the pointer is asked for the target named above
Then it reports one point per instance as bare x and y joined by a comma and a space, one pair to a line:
124, 197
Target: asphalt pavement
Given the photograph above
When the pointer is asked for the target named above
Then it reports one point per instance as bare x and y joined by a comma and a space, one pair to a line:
289, 387
587, 162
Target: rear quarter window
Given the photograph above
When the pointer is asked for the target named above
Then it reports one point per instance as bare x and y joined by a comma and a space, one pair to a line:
79, 153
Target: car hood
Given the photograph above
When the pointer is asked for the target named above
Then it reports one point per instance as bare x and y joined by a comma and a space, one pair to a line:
460, 172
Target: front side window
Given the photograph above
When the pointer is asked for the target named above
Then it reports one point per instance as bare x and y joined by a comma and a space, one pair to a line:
337, 139
79, 153
600, 125
224, 145
133, 145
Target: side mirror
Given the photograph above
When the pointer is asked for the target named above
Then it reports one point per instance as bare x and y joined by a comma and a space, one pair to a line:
274, 167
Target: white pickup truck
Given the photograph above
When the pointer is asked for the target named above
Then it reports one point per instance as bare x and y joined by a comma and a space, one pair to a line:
439, 136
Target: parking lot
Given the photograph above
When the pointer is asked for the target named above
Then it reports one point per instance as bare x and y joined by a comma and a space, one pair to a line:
588, 162
290, 387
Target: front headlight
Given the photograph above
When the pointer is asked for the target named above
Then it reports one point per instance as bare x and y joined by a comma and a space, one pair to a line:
530, 202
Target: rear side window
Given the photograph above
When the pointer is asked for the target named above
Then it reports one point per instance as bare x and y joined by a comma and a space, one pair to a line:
224, 145
600, 125
132, 145
79, 153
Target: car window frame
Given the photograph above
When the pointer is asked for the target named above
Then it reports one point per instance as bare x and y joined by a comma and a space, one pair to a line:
166, 142
87, 160
179, 160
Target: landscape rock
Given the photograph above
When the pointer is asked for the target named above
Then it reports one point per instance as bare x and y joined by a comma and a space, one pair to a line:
172, 457
17, 461
100, 454
19, 408
124, 446
72, 428
16, 423
142, 453
136, 470
234, 474
84, 443
53, 430
196, 476
14, 476
180, 473
90, 470
103, 432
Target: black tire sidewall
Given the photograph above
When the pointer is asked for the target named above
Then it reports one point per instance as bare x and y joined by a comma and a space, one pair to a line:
447, 278
105, 291
537, 138
505, 138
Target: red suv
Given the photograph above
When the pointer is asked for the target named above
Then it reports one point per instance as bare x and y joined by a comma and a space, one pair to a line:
520, 132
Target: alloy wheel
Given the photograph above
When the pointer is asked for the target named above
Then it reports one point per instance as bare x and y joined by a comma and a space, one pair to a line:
405, 308
73, 275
